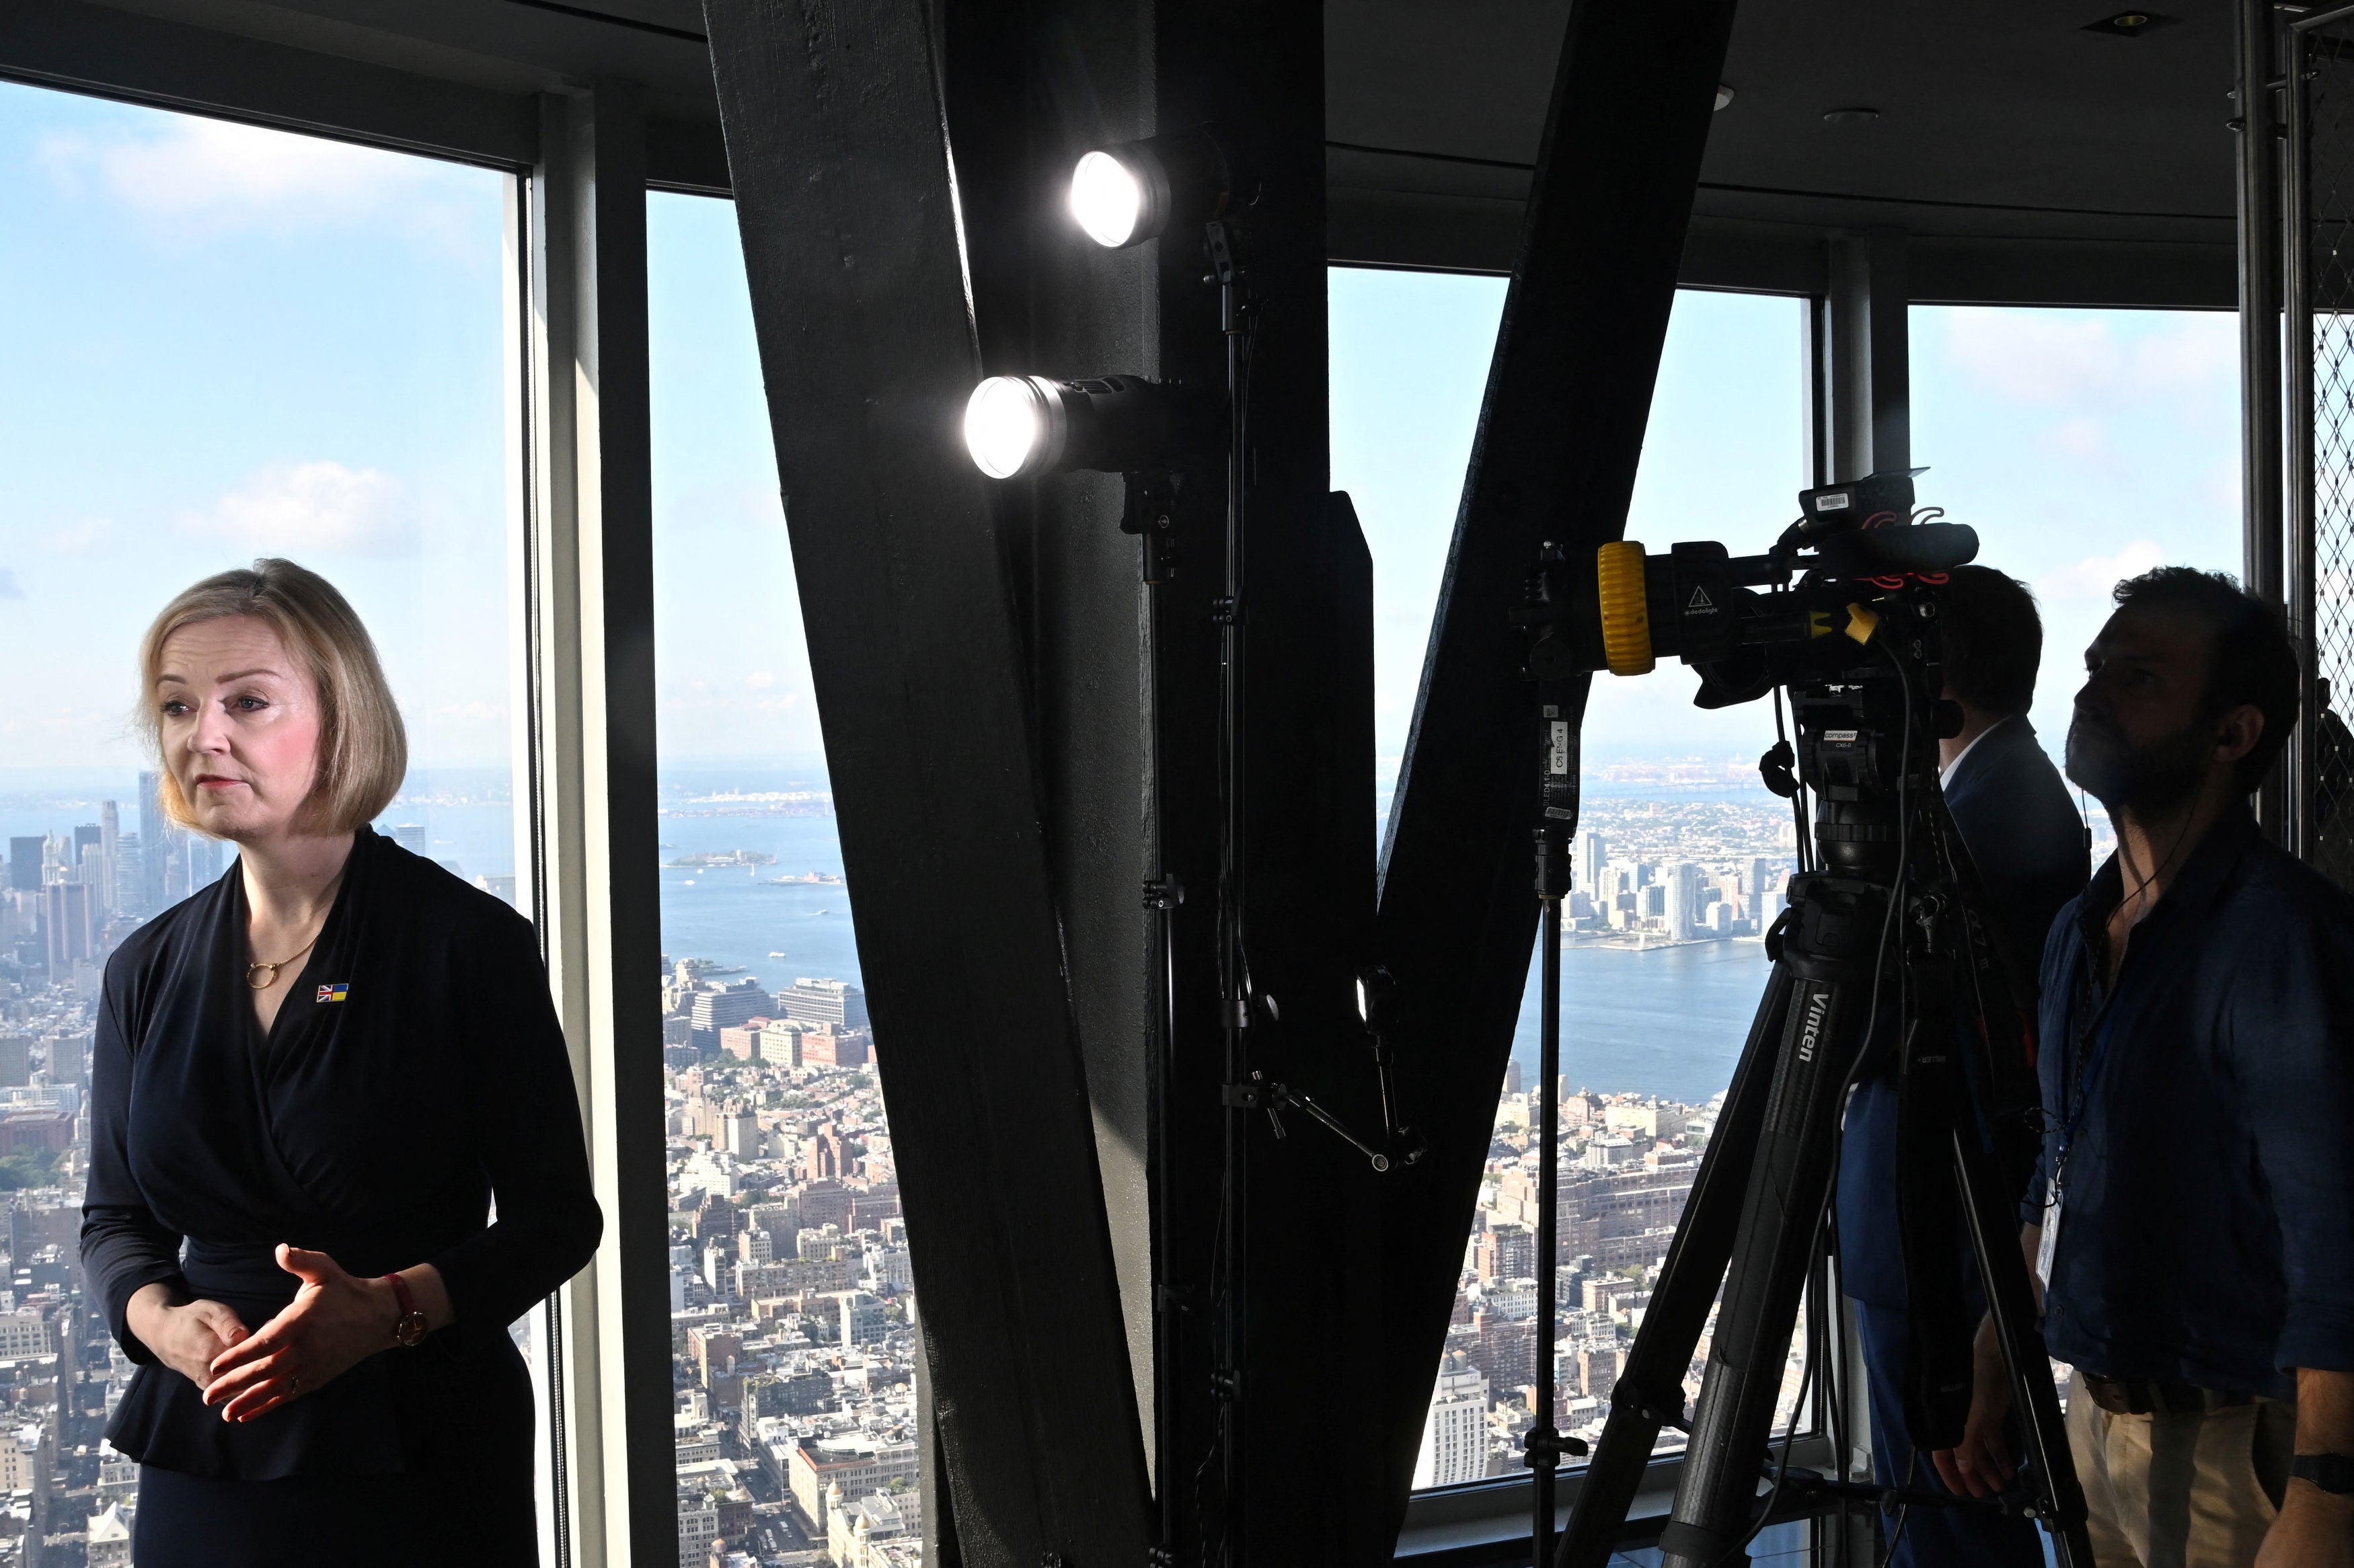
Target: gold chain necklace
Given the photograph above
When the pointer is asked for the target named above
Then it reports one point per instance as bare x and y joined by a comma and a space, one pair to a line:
266, 981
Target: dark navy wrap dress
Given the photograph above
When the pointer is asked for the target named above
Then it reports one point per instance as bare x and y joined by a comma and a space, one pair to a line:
414, 1073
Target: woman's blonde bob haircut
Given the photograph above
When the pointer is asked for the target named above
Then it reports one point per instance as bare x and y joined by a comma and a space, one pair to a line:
363, 749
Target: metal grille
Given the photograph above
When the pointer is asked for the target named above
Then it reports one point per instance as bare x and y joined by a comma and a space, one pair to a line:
2322, 168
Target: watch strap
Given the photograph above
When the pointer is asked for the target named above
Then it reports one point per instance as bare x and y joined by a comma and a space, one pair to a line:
410, 1327
2330, 1472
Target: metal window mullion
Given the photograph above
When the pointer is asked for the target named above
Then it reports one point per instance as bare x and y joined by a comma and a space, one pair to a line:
551, 1442
590, 648
2297, 256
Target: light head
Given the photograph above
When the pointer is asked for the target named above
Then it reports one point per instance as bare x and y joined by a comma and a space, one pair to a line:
1017, 427
1131, 192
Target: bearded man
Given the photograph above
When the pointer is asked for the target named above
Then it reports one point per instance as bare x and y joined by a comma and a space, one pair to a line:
2193, 1217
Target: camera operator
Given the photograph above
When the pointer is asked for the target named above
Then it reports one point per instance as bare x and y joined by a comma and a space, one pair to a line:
2028, 843
2196, 1183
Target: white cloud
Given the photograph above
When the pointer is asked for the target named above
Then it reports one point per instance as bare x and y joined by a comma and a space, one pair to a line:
210, 175
2091, 579
760, 680
314, 506
2050, 356
8, 588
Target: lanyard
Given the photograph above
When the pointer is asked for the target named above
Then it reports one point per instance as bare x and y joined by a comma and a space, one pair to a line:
2073, 1120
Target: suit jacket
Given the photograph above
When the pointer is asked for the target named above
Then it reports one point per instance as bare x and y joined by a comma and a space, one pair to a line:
2024, 835
414, 1070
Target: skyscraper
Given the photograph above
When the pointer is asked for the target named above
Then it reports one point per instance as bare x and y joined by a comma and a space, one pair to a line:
25, 862
130, 875
1593, 854
162, 849
1683, 899
833, 1002
67, 926
1454, 1434
110, 840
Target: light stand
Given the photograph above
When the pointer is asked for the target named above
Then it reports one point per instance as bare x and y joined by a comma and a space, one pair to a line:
1240, 1095
1150, 515
1557, 750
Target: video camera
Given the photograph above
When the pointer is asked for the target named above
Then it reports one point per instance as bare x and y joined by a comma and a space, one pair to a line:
1855, 638
1860, 545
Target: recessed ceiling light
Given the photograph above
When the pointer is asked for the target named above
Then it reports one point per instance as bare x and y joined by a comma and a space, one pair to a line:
1723, 95
1857, 116
2130, 24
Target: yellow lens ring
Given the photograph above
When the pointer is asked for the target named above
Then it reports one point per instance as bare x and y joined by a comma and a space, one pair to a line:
1626, 608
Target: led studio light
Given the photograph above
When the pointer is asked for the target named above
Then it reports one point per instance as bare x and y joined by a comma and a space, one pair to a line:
1018, 426
1008, 427
1109, 198
1127, 194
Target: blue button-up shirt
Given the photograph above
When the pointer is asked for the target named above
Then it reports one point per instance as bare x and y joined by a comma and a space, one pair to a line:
2200, 1116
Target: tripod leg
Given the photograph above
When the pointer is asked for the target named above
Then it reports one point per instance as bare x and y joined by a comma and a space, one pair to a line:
1650, 1390
2011, 1301
1789, 1183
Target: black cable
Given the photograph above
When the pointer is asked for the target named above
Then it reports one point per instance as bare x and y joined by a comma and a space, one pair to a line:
1903, 1511
1797, 796
1834, 1388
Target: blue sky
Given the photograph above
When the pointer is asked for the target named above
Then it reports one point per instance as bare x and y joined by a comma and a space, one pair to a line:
223, 342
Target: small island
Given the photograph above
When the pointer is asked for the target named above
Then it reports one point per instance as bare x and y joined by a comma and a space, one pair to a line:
706, 860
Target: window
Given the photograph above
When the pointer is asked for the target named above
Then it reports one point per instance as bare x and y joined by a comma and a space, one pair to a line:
1681, 853
2085, 446
792, 1305
222, 343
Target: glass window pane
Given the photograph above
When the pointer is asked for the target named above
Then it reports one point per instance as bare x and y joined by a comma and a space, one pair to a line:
791, 1302
2085, 446
222, 343
1681, 853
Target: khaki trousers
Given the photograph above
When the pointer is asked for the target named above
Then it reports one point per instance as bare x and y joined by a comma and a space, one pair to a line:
2180, 1491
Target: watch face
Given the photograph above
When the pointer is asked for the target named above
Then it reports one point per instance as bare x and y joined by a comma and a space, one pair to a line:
411, 1329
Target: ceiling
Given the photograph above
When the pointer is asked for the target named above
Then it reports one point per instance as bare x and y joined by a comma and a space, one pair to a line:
2027, 158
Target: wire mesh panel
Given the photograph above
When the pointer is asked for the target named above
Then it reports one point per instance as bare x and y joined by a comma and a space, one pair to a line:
2322, 170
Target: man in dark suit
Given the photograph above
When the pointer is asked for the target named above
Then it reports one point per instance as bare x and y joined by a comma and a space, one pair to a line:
2024, 834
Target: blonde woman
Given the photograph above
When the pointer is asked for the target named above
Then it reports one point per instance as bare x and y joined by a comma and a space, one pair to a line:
310, 1082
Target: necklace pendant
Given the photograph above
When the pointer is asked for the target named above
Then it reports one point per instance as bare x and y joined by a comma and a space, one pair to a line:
266, 981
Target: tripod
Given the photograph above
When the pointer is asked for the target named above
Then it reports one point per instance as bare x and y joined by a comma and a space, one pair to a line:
1882, 945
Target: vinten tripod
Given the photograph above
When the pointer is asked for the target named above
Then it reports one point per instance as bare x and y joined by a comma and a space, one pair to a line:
1882, 948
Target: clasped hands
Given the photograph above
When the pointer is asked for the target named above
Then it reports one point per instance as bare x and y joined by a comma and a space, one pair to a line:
334, 1322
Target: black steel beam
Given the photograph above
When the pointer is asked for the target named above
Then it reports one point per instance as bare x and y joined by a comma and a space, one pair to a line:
1030, 87
1555, 458
846, 204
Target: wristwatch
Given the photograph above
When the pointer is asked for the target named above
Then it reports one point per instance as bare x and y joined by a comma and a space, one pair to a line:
2330, 1472
408, 1328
